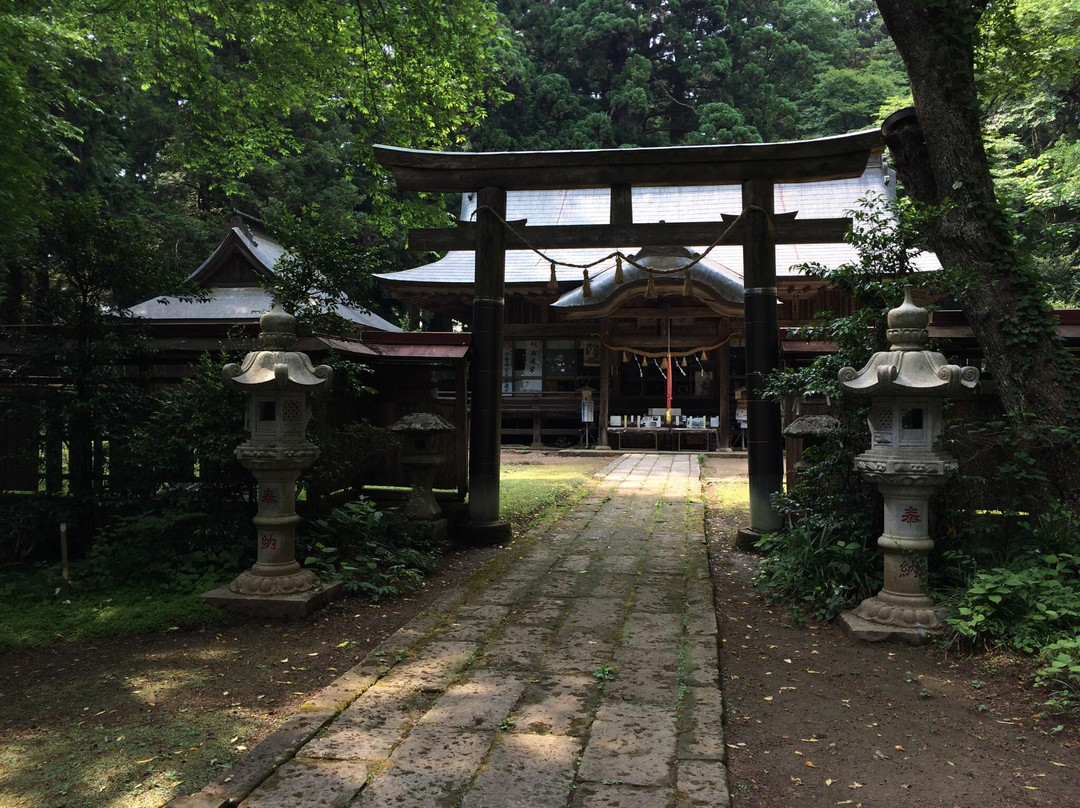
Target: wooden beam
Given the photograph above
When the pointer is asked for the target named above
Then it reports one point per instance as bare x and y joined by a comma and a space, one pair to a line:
798, 161
788, 231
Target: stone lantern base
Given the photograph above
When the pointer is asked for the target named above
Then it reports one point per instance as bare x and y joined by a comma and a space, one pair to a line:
873, 631
289, 607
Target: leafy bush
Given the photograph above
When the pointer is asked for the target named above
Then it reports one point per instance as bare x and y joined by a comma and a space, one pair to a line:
374, 552
1061, 673
1028, 604
181, 541
818, 567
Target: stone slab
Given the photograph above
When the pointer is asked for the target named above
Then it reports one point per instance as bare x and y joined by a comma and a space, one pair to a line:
327, 784
702, 733
245, 774
342, 691
597, 618
578, 655
655, 631
541, 611
558, 704
288, 607
433, 669
659, 593
644, 676
444, 751
526, 771
484, 701
371, 727
631, 743
408, 789
702, 784
618, 795
702, 661
519, 648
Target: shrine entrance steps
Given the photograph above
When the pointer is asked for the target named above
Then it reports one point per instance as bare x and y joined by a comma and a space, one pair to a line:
577, 669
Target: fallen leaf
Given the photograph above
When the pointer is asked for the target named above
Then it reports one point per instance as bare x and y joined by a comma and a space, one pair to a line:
898, 746
856, 784
829, 782
1055, 763
811, 764
768, 698
147, 760
797, 780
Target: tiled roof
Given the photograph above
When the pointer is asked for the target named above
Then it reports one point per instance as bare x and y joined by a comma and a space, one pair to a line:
237, 304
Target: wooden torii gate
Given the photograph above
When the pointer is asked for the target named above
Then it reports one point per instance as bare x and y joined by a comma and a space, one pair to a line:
756, 167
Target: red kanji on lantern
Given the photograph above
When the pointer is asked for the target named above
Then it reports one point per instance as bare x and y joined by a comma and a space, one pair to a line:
911, 516
269, 542
268, 496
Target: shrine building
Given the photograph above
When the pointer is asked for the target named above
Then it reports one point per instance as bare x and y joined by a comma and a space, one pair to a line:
586, 324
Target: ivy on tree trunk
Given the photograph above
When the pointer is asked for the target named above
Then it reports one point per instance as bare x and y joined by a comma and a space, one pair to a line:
941, 161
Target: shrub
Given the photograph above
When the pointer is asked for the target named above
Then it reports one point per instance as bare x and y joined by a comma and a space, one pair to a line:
374, 552
1027, 604
818, 567
1061, 674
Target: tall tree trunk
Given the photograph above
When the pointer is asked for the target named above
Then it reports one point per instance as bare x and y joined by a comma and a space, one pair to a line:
941, 161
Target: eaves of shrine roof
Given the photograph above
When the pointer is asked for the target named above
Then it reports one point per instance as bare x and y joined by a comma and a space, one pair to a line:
238, 304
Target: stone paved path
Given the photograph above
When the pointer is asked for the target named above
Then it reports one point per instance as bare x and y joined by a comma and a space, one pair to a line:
576, 670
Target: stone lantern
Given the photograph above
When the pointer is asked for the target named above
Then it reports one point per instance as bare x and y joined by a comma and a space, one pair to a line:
280, 383
907, 386
422, 461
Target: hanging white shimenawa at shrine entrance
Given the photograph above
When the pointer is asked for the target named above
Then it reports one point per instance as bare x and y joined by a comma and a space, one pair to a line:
907, 386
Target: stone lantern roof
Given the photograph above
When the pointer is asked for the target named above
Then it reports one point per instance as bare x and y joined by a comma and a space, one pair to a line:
276, 366
908, 369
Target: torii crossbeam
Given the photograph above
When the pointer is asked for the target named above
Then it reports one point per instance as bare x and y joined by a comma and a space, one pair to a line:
756, 167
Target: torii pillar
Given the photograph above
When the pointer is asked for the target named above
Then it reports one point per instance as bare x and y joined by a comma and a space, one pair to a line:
485, 415
765, 451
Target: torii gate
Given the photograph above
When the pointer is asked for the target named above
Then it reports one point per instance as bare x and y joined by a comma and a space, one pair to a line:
757, 167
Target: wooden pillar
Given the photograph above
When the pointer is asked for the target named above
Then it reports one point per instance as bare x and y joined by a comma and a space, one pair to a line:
605, 390
461, 417
485, 418
722, 375
764, 441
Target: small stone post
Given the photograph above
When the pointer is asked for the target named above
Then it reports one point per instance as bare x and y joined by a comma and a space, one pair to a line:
280, 383
907, 386
422, 461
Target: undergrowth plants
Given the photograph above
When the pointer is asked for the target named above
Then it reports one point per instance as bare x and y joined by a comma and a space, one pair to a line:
376, 553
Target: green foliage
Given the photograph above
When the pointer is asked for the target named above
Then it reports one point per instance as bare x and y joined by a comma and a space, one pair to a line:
818, 567
350, 457
376, 553
883, 234
1027, 604
36, 615
184, 542
195, 425
1061, 673
604, 73
1026, 61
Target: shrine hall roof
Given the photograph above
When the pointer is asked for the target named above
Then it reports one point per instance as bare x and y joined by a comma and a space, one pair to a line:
824, 199
232, 275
